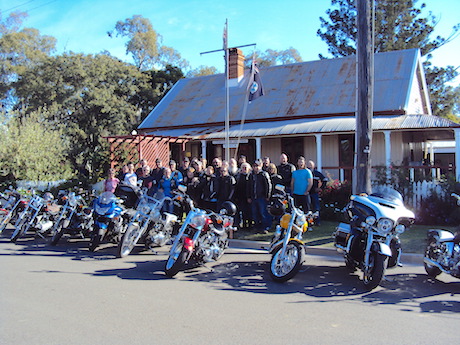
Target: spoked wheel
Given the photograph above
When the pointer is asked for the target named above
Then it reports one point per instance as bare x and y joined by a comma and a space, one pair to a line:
20, 229
430, 251
374, 273
283, 268
129, 240
95, 240
176, 260
5, 220
58, 232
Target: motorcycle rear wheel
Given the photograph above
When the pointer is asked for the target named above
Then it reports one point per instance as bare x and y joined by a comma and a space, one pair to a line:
432, 271
128, 240
373, 277
176, 260
283, 269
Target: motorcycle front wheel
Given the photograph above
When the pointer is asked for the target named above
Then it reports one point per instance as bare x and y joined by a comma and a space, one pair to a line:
6, 219
374, 273
20, 229
432, 271
176, 260
95, 240
59, 231
129, 240
284, 268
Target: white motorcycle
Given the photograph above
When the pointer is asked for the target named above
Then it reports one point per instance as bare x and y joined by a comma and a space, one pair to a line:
370, 241
148, 220
442, 253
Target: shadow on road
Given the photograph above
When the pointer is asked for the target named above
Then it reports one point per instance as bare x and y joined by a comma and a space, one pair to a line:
323, 282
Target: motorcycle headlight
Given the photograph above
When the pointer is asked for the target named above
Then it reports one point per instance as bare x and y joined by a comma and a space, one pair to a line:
300, 221
144, 209
284, 221
400, 228
198, 221
384, 226
370, 220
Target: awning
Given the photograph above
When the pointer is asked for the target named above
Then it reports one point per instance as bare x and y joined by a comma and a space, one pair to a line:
342, 124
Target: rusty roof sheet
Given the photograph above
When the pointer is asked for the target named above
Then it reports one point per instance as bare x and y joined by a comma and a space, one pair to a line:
304, 89
344, 124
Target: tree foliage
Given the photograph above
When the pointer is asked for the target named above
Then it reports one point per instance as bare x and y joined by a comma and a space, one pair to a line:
398, 25
31, 150
273, 57
145, 44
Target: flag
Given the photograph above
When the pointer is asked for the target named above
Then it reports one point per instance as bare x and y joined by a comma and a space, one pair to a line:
256, 88
224, 36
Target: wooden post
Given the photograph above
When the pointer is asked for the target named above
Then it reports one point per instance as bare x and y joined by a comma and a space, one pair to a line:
364, 95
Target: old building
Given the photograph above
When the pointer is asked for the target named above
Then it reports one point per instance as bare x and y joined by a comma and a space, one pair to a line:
308, 109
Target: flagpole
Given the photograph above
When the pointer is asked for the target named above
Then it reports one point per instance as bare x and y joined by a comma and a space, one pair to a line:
227, 96
227, 89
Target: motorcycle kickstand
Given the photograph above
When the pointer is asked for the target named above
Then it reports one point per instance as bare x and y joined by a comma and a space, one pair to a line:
209, 268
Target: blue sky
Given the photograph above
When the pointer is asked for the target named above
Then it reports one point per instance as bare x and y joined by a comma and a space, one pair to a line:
194, 26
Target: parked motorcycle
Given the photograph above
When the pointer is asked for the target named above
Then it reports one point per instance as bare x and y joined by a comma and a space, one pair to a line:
75, 218
202, 237
110, 220
442, 253
38, 215
287, 247
149, 222
12, 205
370, 241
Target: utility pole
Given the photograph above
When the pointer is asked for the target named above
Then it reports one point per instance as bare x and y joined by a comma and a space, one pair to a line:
227, 92
364, 96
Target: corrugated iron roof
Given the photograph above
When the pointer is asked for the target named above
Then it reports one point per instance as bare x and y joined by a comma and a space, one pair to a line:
344, 124
303, 89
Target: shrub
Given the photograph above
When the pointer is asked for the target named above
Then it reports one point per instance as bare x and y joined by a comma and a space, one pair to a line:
334, 198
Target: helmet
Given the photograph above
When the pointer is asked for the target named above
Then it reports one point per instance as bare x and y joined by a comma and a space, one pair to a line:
276, 207
48, 196
229, 207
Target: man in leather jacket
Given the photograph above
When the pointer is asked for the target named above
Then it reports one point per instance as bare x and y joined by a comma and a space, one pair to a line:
259, 194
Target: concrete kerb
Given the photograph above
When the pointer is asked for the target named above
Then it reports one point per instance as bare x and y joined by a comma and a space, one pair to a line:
406, 258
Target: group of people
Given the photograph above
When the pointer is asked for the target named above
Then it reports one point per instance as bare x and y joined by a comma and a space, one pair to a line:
248, 186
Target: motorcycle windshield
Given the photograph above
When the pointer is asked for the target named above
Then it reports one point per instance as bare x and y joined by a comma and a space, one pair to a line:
388, 194
104, 203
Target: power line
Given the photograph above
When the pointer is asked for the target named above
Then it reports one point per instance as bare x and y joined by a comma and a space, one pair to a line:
12, 8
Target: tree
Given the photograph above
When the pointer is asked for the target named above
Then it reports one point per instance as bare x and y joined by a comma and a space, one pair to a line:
31, 150
19, 50
202, 71
398, 25
144, 44
275, 57
89, 97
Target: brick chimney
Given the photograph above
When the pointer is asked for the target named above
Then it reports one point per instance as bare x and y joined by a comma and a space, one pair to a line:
235, 63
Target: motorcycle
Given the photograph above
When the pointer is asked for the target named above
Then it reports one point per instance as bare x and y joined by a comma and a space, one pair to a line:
370, 241
75, 218
38, 215
150, 222
287, 247
110, 220
442, 253
202, 237
12, 205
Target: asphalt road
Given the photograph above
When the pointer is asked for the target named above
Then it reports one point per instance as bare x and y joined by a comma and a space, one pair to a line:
68, 295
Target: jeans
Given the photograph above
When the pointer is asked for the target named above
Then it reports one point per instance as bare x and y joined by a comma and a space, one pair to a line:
262, 219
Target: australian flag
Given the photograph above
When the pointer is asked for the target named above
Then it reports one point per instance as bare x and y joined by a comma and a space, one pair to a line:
255, 89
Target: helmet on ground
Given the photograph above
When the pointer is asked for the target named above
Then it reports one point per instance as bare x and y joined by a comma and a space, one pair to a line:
229, 207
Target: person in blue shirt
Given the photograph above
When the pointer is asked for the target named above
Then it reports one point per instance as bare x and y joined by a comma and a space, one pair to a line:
301, 183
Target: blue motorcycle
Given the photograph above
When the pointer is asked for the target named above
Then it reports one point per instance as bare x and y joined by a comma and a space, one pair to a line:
110, 220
